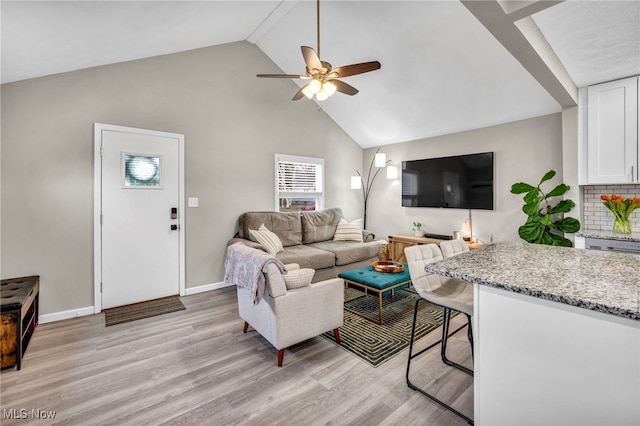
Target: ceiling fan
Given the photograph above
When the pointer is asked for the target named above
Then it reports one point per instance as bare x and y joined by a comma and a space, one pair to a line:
324, 79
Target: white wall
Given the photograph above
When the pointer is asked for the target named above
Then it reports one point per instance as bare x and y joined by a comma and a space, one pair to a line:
523, 151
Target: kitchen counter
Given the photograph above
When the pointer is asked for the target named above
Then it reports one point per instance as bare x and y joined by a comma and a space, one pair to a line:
556, 334
607, 282
609, 235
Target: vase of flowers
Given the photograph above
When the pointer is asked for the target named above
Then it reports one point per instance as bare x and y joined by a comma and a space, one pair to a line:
621, 208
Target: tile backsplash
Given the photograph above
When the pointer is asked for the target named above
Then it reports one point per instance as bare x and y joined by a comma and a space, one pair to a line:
595, 216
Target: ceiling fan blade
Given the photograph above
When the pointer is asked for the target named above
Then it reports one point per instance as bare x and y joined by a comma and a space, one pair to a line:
349, 70
281, 76
299, 94
311, 58
345, 88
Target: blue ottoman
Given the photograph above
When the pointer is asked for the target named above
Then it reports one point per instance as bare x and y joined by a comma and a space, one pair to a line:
380, 283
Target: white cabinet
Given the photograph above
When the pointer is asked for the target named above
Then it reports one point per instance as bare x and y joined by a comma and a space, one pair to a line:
612, 127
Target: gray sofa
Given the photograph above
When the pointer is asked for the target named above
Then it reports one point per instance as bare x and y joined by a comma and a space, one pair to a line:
307, 238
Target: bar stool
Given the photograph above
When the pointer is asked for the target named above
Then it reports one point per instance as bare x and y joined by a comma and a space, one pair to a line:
448, 293
452, 248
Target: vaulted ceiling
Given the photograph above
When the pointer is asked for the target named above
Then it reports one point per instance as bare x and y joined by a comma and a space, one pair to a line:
447, 66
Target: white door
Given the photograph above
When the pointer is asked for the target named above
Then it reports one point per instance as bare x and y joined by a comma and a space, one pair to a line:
141, 213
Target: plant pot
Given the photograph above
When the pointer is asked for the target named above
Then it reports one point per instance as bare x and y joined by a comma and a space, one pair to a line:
419, 233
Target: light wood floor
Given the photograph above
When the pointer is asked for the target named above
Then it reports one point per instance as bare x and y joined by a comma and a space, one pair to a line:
197, 367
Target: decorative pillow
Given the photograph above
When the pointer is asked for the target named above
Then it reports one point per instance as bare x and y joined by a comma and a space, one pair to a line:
267, 239
298, 278
348, 231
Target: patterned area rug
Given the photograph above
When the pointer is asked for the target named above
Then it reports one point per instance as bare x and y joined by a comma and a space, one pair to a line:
141, 310
375, 343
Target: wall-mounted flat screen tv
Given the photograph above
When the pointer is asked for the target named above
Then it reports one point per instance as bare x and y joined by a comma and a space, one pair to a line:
459, 182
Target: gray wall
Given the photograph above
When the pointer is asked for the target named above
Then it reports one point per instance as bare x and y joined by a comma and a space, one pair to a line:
524, 151
233, 124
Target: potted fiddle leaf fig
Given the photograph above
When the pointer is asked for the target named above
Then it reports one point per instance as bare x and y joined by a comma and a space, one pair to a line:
544, 224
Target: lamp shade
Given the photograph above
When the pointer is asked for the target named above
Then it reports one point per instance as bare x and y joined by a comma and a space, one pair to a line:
307, 92
315, 86
328, 88
392, 172
356, 182
381, 159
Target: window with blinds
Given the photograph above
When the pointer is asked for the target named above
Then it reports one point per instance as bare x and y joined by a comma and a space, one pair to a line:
299, 183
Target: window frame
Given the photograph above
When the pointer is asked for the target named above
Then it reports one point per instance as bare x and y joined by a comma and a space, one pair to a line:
317, 196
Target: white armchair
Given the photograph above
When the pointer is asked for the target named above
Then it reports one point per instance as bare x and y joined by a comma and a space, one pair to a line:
286, 317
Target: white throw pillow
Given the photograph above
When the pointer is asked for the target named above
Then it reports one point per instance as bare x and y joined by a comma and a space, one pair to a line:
298, 278
348, 231
267, 239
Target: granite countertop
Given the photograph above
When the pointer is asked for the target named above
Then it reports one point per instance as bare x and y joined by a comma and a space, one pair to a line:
609, 235
607, 282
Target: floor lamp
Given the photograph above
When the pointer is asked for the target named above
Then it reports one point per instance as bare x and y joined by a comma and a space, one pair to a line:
378, 161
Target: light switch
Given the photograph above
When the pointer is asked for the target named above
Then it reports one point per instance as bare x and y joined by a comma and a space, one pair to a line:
193, 202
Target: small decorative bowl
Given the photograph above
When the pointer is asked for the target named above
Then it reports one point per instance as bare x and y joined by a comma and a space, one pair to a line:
388, 267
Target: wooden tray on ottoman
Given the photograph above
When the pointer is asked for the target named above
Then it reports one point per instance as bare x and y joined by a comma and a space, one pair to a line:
390, 267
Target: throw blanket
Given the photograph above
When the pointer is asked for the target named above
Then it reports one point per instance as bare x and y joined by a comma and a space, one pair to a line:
246, 268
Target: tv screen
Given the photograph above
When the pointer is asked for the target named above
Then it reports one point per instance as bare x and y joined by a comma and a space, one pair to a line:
460, 182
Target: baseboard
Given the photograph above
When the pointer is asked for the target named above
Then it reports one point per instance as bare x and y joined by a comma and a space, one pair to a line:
89, 310
59, 316
207, 287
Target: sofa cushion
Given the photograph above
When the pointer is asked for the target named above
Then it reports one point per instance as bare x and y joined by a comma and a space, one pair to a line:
307, 257
348, 231
267, 239
347, 252
287, 226
298, 278
319, 225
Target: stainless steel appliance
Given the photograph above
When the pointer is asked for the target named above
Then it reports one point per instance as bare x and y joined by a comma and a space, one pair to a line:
613, 245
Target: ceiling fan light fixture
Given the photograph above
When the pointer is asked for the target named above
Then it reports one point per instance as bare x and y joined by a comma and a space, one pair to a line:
307, 92
329, 88
324, 79
315, 86
321, 96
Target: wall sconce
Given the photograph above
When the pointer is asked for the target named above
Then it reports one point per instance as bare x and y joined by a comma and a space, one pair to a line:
358, 182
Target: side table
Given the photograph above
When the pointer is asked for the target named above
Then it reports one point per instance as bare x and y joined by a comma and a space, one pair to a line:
397, 244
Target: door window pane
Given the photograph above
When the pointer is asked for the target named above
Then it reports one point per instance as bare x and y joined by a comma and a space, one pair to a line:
141, 171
